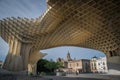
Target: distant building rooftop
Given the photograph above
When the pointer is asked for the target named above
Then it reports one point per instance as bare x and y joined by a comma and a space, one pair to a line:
94, 57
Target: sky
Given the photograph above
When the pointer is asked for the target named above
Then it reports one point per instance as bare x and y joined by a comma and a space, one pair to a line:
34, 9
22, 8
75, 52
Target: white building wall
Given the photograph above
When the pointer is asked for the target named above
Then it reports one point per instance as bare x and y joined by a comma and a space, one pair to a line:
101, 65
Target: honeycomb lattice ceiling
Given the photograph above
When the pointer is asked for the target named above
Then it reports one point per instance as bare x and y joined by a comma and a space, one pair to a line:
85, 23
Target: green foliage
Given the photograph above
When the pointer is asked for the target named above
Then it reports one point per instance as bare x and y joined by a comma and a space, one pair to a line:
59, 65
31, 74
42, 73
41, 66
48, 66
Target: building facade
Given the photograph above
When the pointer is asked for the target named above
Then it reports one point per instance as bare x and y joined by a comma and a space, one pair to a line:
80, 66
99, 65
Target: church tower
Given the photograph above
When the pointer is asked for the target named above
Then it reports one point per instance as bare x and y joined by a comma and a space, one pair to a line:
68, 56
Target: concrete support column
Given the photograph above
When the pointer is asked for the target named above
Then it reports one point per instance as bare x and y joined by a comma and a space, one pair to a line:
32, 68
114, 56
25, 52
9, 55
114, 62
118, 51
18, 56
114, 59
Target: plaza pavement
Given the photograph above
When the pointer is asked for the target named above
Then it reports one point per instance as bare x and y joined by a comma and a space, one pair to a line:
78, 77
5, 75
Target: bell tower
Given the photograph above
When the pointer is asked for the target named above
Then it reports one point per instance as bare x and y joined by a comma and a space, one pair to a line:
68, 56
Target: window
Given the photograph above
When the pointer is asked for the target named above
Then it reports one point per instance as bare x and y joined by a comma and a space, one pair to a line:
98, 63
94, 64
104, 68
95, 67
70, 65
77, 64
103, 63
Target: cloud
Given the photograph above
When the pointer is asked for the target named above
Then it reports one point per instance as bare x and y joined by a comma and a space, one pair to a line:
22, 8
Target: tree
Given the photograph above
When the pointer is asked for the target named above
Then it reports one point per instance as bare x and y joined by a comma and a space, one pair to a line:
41, 67
59, 65
44, 65
50, 66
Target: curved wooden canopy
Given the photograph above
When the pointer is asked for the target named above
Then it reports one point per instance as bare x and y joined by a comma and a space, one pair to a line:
85, 23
